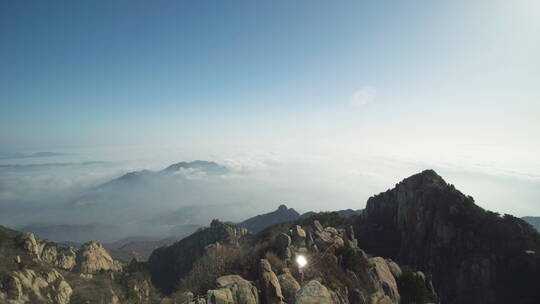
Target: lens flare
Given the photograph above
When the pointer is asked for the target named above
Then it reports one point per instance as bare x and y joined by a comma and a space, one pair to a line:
301, 261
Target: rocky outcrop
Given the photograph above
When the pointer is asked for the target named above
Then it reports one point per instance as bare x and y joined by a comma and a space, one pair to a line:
59, 256
386, 278
241, 291
168, 264
327, 237
270, 287
28, 286
314, 293
92, 257
472, 255
289, 285
30, 244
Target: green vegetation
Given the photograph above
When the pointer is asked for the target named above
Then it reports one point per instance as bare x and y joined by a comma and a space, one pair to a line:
412, 288
352, 259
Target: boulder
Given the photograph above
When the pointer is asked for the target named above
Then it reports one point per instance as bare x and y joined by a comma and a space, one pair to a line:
313, 293
317, 226
270, 287
220, 296
242, 291
394, 268
289, 285
299, 236
283, 240
386, 278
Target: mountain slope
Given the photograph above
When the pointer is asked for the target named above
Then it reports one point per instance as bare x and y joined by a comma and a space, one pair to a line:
226, 264
473, 255
533, 220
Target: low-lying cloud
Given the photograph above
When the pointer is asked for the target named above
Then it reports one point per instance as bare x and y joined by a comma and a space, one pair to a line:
53, 195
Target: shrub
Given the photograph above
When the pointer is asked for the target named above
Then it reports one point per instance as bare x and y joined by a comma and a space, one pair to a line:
412, 288
351, 259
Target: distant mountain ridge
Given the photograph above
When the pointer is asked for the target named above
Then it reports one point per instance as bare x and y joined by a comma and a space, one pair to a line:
208, 167
533, 220
259, 222
284, 214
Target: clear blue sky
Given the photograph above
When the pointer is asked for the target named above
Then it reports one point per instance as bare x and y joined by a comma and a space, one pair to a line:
83, 73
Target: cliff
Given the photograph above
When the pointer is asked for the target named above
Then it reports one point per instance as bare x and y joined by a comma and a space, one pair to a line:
472, 255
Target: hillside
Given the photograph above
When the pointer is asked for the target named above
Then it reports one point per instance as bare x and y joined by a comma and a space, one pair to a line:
227, 264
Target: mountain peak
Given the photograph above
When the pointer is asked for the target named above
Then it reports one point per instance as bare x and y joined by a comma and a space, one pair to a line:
259, 222
208, 166
282, 207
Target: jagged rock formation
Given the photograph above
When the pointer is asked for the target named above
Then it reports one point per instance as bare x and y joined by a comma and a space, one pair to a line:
289, 285
259, 222
37, 271
472, 255
168, 264
271, 289
92, 257
241, 291
27, 286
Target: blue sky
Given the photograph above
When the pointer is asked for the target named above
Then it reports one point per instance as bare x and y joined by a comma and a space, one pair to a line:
445, 84
89, 73
96, 73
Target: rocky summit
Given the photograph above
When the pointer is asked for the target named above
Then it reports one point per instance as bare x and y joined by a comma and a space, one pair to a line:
471, 255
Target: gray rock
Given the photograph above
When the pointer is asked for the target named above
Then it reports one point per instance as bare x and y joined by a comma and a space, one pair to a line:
289, 285
243, 292
313, 293
271, 289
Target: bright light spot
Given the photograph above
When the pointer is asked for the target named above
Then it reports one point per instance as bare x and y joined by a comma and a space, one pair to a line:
301, 261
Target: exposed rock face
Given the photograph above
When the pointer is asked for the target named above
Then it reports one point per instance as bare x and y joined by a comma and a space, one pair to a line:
168, 264
59, 256
29, 243
314, 293
92, 257
270, 287
259, 222
472, 255
327, 237
27, 286
387, 279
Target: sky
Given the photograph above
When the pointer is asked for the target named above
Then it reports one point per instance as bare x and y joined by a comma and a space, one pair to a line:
453, 85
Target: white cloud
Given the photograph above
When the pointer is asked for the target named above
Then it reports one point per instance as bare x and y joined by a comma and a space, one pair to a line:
363, 96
